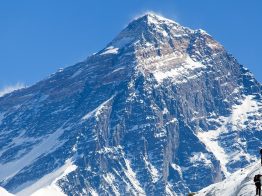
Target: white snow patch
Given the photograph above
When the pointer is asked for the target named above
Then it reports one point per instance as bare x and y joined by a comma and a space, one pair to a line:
237, 122
161, 133
178, 67
93, 192
200, 157
110, 50
60, 70
164, 33
153, 171
241, 112
118, 69
178, 169
97, 111
110, 179
47, 185
131, 175
106, 150
10, 169
169, 190
165, 111
186, 67
4, 192
78, 72
156, 18
210, 140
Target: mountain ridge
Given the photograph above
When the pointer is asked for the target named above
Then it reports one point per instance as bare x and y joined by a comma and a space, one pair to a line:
133, 116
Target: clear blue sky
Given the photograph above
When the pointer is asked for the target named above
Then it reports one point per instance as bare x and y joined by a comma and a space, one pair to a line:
39, 36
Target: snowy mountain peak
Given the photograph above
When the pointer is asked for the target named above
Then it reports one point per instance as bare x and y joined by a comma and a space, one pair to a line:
151, 30
152, 18
148, 28
156, 41
162, 110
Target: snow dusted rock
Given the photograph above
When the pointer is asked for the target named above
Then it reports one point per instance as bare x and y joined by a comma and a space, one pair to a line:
239, 183
161, 110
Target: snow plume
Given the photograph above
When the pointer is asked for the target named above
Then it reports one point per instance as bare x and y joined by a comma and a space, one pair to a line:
159, 15
11, 88
147, 12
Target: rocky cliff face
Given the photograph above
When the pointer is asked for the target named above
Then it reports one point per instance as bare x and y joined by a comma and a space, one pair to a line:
162, 110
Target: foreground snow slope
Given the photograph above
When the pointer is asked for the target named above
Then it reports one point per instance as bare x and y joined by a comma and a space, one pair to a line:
239, 183
4, 192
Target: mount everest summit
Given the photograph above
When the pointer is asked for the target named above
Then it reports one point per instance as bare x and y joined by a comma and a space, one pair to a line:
161, 110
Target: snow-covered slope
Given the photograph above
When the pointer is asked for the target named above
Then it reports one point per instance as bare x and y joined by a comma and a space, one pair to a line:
239, 183
161, 110
4, 192
47, 185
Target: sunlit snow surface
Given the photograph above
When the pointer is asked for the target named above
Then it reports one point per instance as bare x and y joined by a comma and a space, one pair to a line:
239, 183
237, 121
110, 50
46, 186
4, 192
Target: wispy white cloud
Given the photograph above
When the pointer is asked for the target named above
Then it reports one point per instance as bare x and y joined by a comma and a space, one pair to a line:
11, 88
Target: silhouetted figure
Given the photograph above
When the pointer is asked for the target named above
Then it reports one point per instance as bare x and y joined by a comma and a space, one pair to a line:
257, 181
261, 156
